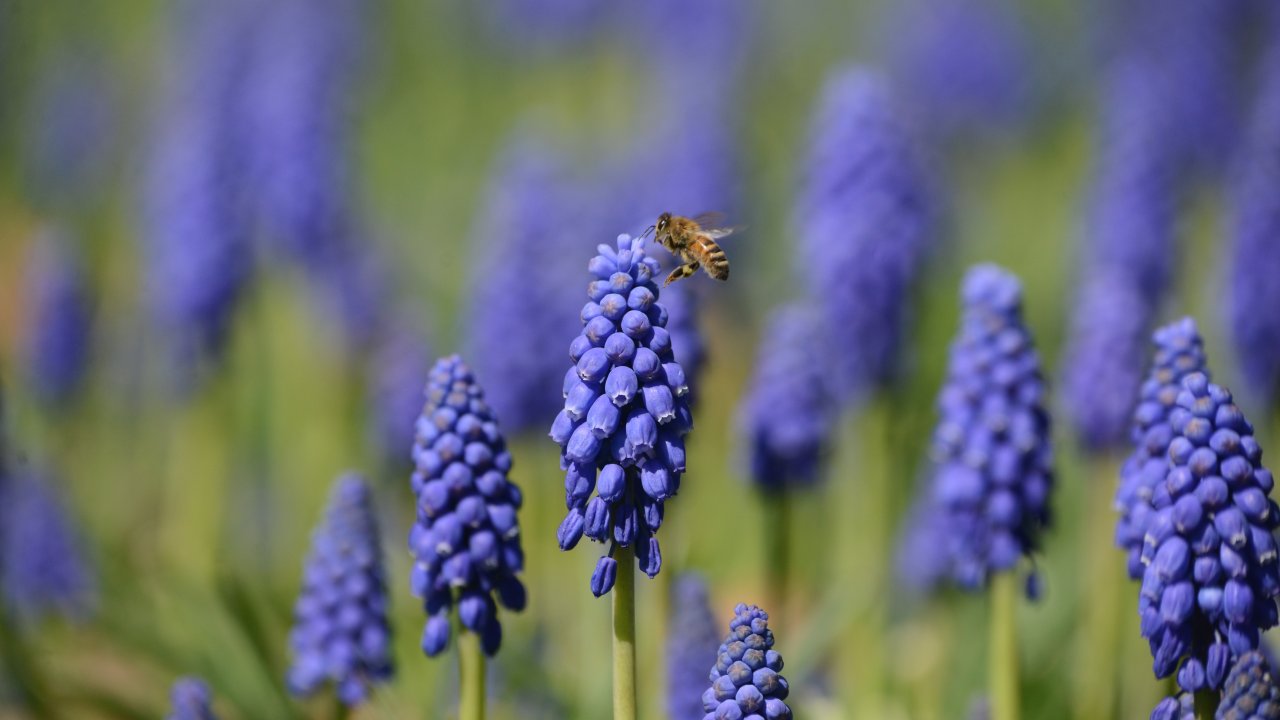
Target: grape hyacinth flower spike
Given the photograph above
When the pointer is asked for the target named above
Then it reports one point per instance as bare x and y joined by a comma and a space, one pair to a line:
42, 566
466, 540
690, 637
745, 681
1179, 353
1250, 692
621, 436
1210, 581
59, 320
340, 631
191, 699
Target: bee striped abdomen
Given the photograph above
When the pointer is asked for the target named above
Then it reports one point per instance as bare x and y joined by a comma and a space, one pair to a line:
713, 258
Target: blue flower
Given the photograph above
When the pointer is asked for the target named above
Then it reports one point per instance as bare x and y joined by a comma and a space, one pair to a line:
512, 312
42, 565
1250, 692
1255, 248
1210, 578
963, 64
626, 412
690, 638
340, 630
466, 540
1181, 707
1179, 353
786, 419
1103, 365
196, 226
867, 219
991, 448
745, 680
191, 700
58, 323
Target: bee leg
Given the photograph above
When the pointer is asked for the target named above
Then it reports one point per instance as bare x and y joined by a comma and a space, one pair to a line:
682, 271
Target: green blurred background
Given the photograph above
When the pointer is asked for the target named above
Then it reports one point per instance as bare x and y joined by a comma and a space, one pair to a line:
197, 515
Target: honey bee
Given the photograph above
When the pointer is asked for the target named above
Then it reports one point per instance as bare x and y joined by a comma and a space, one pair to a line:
693, 241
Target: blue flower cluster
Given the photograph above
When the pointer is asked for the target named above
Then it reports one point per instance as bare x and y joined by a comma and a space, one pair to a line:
962, 63
1211, 574
626, 412
787, 418
1105, 354
1255, 250
191, 700
745, 681
512, 312
466, 540
1181, 707
196, 226
340, 631
58, 344
1179, 353
1250, 692
690, 637
42, 566
868, 213
991, 448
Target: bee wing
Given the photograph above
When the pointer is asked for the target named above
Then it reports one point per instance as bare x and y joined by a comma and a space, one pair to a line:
709, 220
724, 232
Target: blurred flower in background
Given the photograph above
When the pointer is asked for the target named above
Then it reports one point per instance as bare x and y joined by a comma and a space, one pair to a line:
43, 569
526, 283
192, 700
340, 632
58, 319
691, 637
965, 65
396, 378
1253, 291
196, 226
866, 219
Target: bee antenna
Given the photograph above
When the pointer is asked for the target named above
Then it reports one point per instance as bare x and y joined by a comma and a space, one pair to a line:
648, 230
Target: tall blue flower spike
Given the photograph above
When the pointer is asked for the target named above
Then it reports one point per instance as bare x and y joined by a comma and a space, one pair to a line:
1179, 352
1210, 576
787, 416
340, 632
867, 215
746, 680
43, 568
626, 412
991, 448
58, 321
466, 540
690, 642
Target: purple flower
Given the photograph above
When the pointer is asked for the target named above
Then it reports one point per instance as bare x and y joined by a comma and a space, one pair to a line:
1210, 578
42, 565
922, 560
547, 25
1255, 250
57, 320
340, 632
466, 540
1179, 353
746, 680
1250, 692
1103, 366
963, 64
195, 225
512, 312
1181, 707
697, 46
690, 639
1129, 226
191, 700
992, 455
867, 219
786, 419
626, 412
397, 373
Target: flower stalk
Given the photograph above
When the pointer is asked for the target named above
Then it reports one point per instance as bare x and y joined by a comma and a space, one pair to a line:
624, 637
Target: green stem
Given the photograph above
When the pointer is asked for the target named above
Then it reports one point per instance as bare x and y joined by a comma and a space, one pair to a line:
1101, 582
1003, 653
471, 676
1206, 705
777, 551
624, 637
